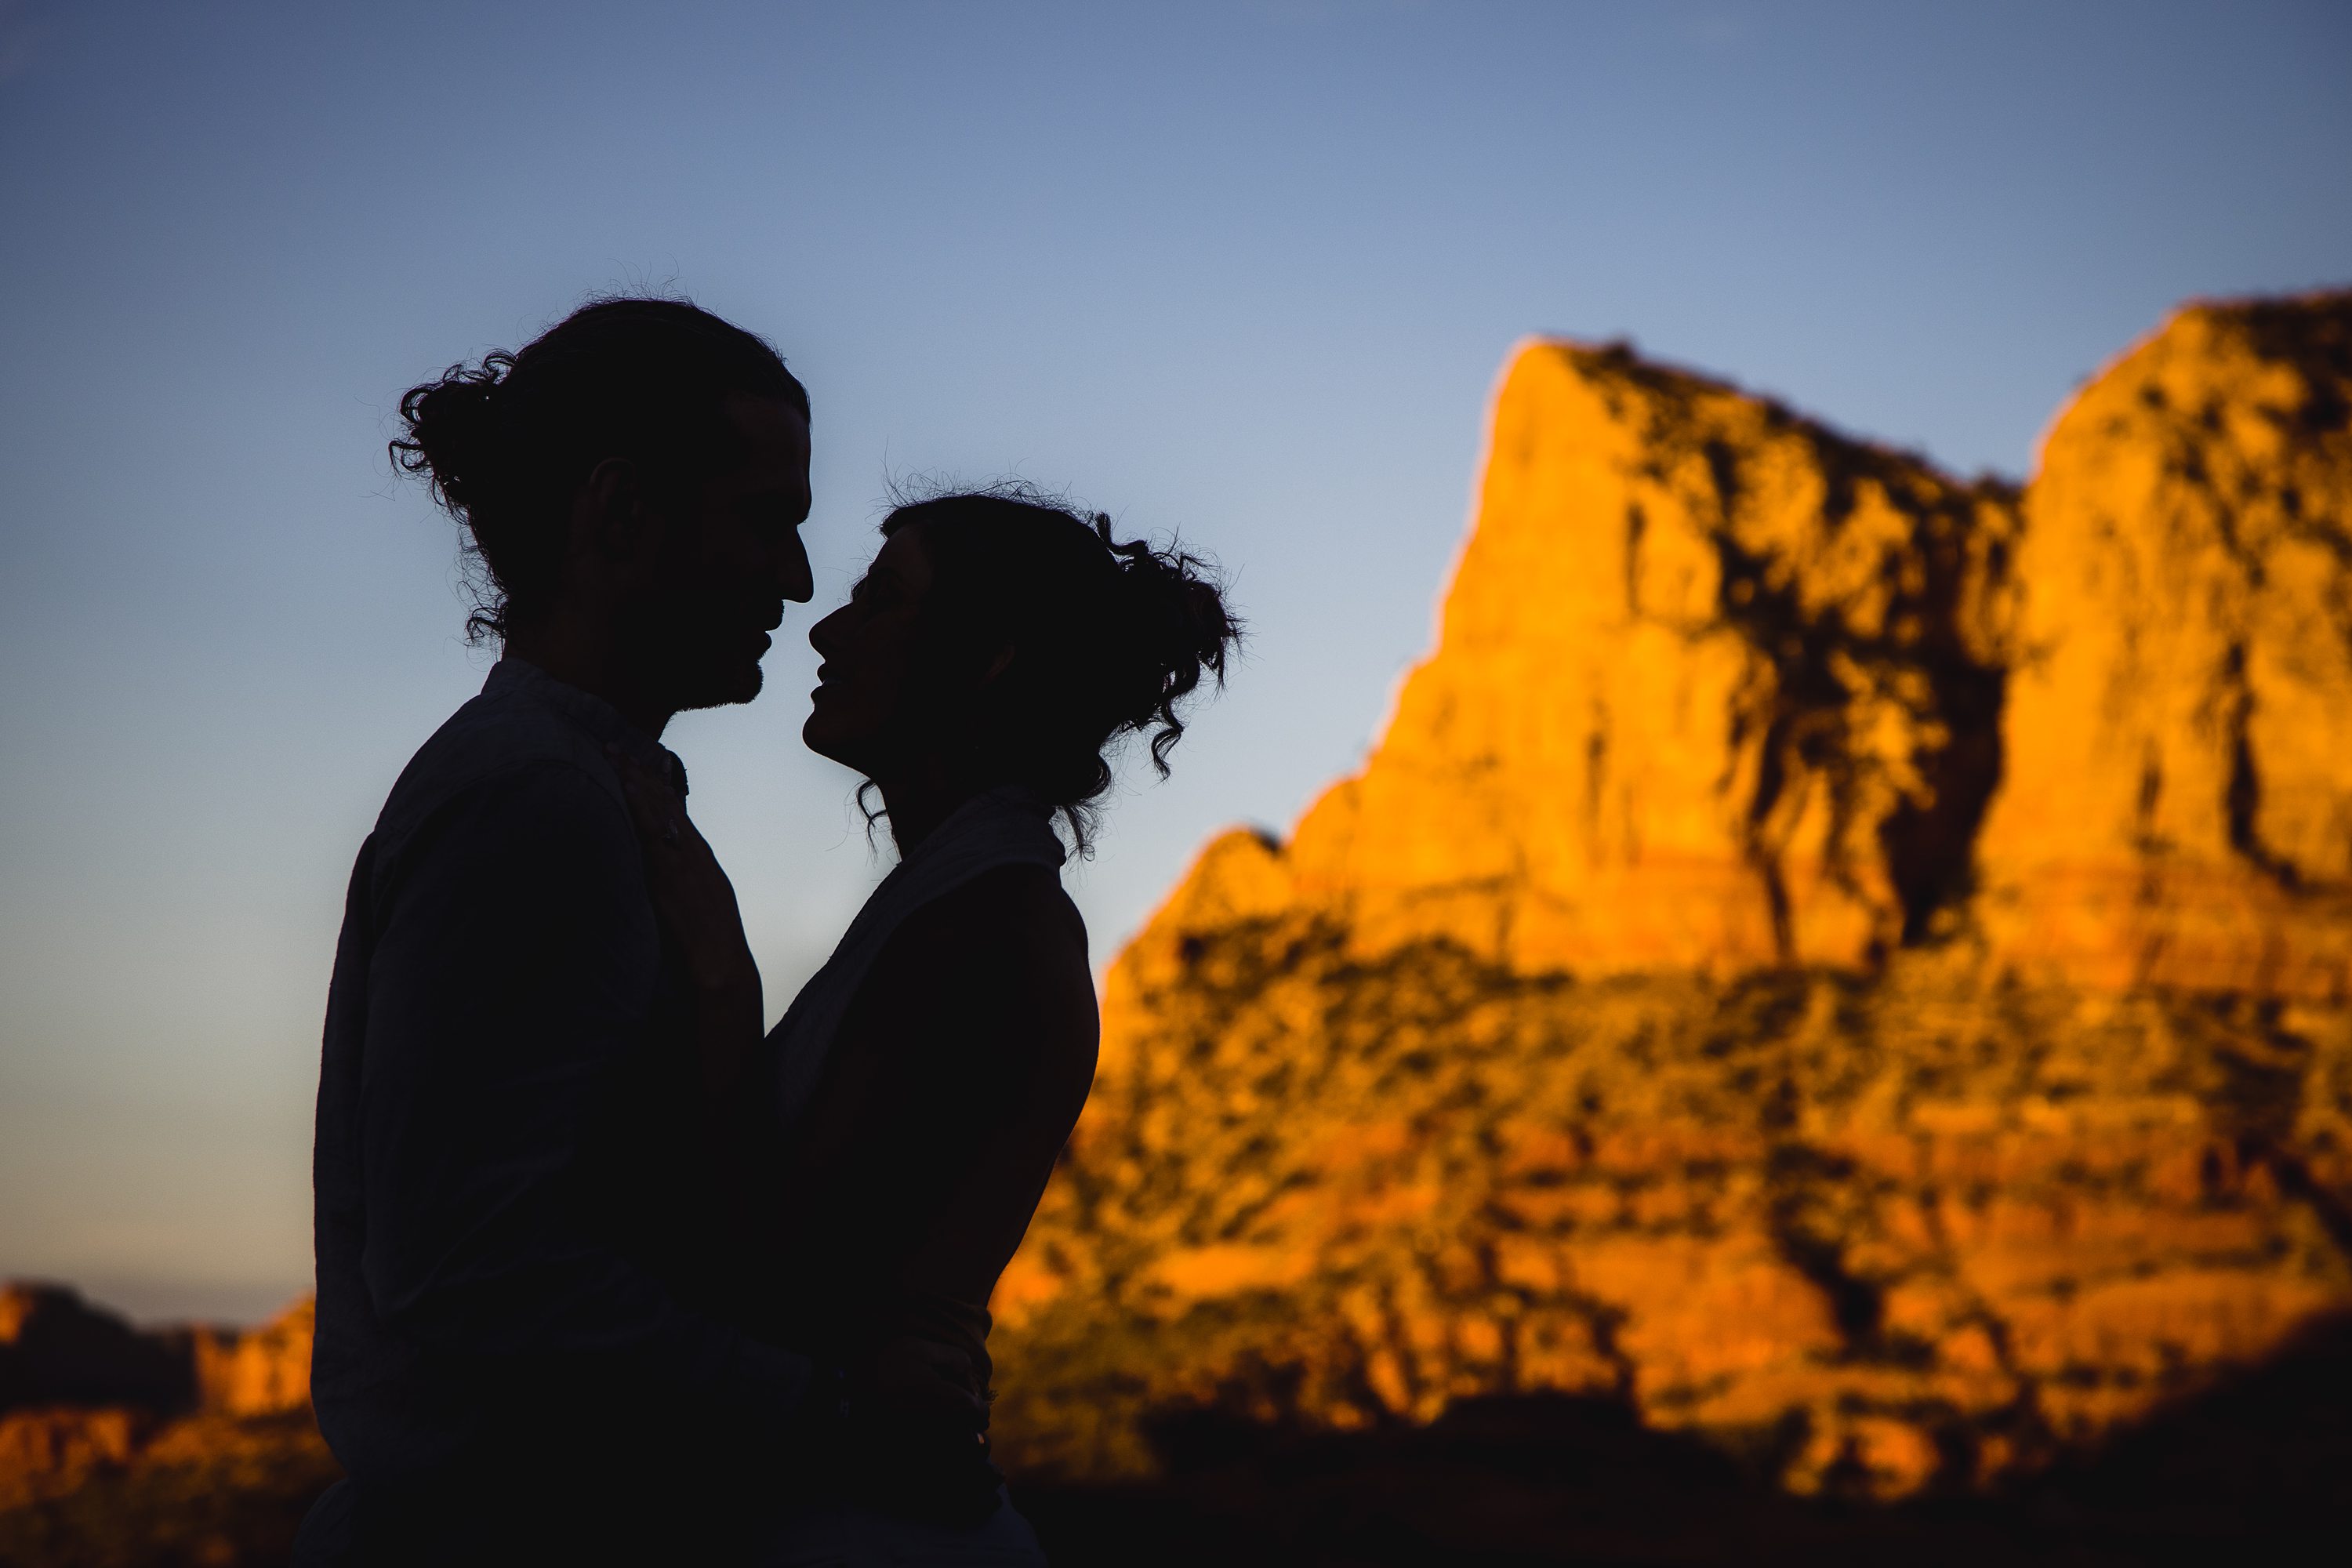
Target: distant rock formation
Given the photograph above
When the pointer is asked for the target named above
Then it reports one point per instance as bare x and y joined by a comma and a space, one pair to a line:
1715, 689
57, 1349
85, 1396
53, 1453
255, 1372
1842, 958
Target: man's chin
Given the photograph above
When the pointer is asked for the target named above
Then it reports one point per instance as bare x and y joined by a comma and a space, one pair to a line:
723, 689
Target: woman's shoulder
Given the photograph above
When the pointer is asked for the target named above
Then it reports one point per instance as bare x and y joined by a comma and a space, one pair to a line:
1008, 944
1010, 927
1012, 908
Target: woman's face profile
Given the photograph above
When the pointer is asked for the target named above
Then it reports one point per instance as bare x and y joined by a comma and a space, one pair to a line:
867, 705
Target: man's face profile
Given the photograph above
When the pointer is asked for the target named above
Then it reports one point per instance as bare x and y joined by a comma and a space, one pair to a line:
732, 565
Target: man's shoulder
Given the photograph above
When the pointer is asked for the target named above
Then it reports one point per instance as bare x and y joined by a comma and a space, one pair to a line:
500, 741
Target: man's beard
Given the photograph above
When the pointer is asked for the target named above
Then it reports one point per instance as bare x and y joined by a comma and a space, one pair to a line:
701, 660
717, 676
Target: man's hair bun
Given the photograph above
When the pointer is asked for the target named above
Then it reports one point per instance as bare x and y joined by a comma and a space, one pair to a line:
453, 430
506, 443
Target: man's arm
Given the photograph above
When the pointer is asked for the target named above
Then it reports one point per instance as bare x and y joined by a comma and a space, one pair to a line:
514, 970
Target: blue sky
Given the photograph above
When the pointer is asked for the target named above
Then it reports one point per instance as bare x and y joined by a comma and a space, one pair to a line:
1243, 270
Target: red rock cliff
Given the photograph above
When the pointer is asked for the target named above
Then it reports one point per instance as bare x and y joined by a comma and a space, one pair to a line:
1837, 957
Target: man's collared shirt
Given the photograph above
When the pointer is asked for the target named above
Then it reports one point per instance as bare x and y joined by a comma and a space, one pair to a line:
502, 1262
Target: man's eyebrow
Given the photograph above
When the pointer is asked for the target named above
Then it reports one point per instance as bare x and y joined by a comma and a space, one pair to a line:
779, 494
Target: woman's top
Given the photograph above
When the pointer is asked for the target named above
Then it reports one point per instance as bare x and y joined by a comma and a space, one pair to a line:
1002, 827
919, 1146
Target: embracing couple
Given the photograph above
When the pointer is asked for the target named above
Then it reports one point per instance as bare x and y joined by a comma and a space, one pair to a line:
606, 1273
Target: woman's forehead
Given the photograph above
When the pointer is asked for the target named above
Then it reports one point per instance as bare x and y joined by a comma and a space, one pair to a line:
902, 556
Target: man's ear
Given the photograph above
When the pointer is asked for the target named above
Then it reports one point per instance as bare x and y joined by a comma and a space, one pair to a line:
615, 514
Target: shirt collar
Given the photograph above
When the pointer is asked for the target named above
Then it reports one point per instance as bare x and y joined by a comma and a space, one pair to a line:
528, 682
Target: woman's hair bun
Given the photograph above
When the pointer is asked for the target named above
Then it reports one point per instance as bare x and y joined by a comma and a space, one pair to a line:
1109, 637
1177, 628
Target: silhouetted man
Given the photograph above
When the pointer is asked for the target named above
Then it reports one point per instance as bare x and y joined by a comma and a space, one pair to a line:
522, 1354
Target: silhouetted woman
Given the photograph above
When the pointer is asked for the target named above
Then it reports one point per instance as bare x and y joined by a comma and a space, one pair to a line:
923, 1083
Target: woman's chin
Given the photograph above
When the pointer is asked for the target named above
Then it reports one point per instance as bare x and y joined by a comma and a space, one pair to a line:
825, 739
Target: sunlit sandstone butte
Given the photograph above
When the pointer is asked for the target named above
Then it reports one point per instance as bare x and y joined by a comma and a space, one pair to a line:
1850, 960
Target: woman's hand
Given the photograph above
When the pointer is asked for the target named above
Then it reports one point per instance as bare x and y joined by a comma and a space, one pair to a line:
697, 903
915, 1374
917, 1435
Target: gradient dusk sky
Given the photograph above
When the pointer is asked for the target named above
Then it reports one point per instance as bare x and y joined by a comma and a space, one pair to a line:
1246, 270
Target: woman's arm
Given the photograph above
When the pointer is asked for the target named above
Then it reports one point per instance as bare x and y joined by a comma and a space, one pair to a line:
960, 1068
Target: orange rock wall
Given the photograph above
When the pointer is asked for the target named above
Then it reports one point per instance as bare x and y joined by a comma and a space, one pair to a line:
50, 1453
57, 1349
1909, 1228
2178, 804
1754, 976
85, 1398
1714, 687
256, 1371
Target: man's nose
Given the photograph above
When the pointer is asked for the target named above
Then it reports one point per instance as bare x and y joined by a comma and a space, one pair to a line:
793, 578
